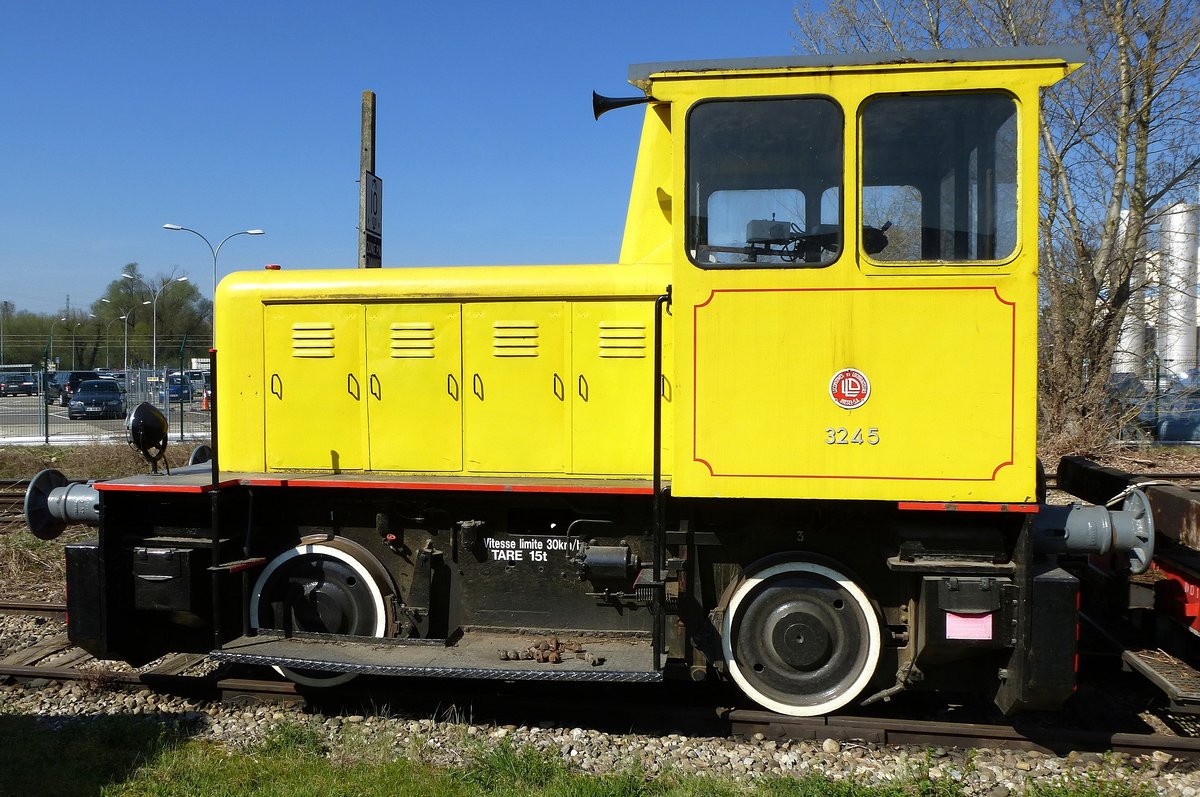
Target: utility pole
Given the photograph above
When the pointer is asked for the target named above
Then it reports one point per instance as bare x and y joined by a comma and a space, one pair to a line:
370, 192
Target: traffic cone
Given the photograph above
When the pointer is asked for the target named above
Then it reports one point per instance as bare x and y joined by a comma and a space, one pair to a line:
204, 401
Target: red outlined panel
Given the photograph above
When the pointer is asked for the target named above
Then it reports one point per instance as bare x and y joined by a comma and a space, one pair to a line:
1007, 364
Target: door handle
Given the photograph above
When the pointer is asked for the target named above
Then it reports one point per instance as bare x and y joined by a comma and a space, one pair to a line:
352, 386
583, 388
375, 387
452, 386
560, 390
277, 392
477, 386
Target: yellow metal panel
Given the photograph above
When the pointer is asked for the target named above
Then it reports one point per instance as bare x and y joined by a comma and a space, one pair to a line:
240, 375
949, 348
414, 386
515, 372
931, 407
313, 380
648, 223
613, 367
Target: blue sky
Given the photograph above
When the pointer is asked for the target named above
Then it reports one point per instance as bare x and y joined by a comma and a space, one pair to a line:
224, 116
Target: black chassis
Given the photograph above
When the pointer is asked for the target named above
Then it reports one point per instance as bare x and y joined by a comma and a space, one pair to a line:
158, 579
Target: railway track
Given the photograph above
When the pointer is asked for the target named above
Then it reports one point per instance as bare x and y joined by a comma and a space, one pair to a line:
54, 660
12, 499
924, 733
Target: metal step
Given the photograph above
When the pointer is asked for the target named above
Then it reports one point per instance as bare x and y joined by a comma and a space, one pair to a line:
1178, 679
476, 654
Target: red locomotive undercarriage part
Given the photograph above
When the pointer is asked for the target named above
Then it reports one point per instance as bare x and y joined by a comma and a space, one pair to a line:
1177, 593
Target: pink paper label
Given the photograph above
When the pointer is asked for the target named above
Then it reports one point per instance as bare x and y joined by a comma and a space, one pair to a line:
968, 626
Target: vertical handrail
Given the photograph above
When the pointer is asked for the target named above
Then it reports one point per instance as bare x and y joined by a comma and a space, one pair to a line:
658, 521
214, 499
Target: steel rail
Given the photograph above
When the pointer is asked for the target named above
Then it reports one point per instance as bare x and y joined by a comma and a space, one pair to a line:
34, 608
924, 733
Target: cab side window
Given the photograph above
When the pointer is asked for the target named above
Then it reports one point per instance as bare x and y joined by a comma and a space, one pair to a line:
939, 178
764, 183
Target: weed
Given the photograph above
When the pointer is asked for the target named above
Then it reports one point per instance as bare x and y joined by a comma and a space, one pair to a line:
292, 737
514, 768
1090, 784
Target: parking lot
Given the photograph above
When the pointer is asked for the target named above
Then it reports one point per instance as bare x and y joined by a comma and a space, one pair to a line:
28, 420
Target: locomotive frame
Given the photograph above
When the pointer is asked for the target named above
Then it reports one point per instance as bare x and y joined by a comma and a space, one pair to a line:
794, 451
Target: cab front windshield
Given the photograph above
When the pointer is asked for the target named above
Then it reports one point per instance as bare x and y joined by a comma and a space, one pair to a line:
765, 182
937, 181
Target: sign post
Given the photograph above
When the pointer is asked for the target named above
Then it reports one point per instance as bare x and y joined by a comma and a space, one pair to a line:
370, 192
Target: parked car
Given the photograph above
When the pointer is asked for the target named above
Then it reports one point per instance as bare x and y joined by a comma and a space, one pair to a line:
18, 385
179, 388
63, 385
118, 378
96, 398
197, 377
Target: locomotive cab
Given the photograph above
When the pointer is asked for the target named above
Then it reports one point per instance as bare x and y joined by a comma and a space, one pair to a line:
788, 438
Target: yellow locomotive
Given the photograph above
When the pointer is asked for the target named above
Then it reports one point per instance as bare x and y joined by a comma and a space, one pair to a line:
788, 438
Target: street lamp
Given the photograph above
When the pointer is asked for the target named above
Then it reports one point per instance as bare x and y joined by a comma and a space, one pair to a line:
126, 316
215, 252
108, 326
78, 324
154, 313
50, 348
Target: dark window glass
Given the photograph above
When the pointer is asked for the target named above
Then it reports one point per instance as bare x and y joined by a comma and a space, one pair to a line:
939, 177
764, 183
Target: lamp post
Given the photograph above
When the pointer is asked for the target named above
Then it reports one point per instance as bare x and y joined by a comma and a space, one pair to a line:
62, 321
126, 317
108, 326
215, 252
154, 313
78, 324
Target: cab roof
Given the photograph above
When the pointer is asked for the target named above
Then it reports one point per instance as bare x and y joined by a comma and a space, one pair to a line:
640, 74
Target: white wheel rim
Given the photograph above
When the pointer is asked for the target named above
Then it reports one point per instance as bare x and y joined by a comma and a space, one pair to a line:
320, 549
874, 639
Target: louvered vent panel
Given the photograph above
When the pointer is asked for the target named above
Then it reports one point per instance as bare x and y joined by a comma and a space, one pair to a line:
515, 339
312, 339
622, 340
412, 340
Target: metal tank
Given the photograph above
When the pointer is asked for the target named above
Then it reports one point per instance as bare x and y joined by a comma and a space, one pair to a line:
1130, 356
1177, 295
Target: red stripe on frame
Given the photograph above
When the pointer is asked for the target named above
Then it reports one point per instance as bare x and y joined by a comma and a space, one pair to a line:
941, 506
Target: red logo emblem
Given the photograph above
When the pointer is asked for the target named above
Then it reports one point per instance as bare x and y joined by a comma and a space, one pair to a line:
849, 388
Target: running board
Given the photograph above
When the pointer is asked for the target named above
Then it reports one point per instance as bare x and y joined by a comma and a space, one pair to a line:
476, 654
1175, 677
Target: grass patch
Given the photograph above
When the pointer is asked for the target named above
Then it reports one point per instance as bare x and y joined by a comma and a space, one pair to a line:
1091, 784
141, 757
94, 461
61, 757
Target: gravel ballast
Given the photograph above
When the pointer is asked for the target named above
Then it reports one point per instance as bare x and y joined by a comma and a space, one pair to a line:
994, 773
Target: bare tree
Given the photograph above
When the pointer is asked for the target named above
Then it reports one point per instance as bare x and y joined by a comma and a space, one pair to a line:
1119, 148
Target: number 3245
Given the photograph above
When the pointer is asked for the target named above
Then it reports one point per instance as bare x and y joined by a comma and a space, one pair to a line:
841, 436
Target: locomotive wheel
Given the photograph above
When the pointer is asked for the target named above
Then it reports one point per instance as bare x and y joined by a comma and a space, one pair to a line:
800, 638
326, 586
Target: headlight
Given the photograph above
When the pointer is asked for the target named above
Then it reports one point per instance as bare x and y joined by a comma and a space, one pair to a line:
76, 403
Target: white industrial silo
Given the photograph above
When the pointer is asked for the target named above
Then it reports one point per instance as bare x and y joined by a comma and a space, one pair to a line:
1130, 356
1177, 289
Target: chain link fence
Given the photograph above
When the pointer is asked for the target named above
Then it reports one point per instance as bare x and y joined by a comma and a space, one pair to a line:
48, 416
